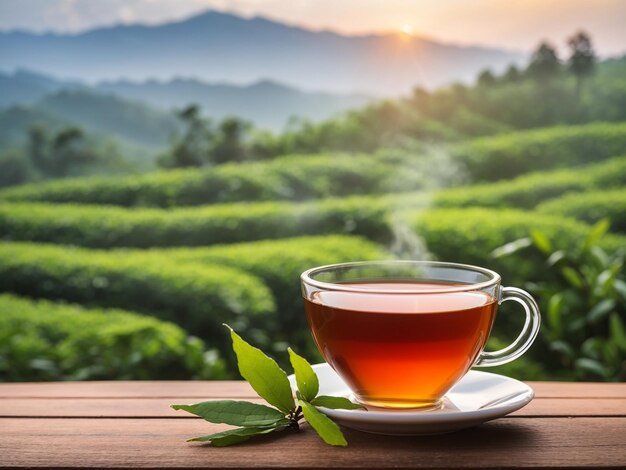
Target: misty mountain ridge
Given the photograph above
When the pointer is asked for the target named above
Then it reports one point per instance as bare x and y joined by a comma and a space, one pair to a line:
215, 46
266, 103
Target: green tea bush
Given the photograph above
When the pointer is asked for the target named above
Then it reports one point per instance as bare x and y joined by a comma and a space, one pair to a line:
279, 264
42, 340
296, 177
509, 155
197, 297
470, 235
591, 207
106, 226
583, 300
529, 190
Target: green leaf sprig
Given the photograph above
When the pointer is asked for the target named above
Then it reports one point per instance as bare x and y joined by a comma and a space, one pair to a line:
271, 383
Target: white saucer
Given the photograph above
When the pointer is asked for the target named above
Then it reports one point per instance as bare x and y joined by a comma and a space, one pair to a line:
478, 397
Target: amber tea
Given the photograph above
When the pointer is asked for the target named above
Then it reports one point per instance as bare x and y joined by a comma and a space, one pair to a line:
401, 350
403, 333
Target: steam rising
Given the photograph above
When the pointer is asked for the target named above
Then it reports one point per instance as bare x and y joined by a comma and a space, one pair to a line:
437, 170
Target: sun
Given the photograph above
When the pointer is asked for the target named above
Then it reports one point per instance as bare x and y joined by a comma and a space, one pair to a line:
407, 29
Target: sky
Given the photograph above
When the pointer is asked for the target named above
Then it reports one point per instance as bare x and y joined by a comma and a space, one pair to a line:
511, 24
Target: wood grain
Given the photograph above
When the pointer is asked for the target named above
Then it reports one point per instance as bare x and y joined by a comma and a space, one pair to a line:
159, 443
128, 389
129, 425
239, 389
159, 407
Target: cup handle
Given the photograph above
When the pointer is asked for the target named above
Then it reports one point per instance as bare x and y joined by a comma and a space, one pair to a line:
525, 338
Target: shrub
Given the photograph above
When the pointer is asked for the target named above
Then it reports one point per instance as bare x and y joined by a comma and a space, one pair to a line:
583, 336
470, 235
197, 297
103, 227
529, 190
279, 264
41, 340
591, 207
295, 177
509, 155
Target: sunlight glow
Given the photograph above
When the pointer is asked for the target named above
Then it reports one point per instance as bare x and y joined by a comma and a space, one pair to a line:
407, 29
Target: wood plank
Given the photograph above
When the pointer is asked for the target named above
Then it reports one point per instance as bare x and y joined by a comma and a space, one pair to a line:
159, 407
159, 443
129, 389
240, 389
579, 389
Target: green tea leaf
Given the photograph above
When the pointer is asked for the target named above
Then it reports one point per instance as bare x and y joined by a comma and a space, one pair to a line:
511, 247
600, 310
235, 436
563, 348
572, 277
620, 288
336, 403
541, 241
555, 306
236, 413
263, 374
308, 384
328, 431
556, 257
616, 329
596, 232
589, 365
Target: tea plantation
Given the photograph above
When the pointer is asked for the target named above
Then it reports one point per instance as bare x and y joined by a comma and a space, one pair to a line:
132, 278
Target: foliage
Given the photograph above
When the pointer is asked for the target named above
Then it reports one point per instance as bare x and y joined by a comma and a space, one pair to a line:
272, 384
279, 264
66, 152
41, 340
196, 297
584, 300
295, 177
544, 64
590, 207
15, 169
582, 60
512, 154
194, 287
544, 94
105, 227
204, 144
529, 190
469, 235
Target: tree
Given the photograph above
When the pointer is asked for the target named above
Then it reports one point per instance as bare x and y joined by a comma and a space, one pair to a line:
544, 64
38, 148
581, 62
229, 143
192, 149
64, 153
486, 78
15, 169
512, 74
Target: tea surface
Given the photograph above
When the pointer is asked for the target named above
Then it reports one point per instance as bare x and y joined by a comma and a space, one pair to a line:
400, 350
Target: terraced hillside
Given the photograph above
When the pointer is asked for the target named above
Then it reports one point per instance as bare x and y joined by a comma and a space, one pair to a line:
145, 269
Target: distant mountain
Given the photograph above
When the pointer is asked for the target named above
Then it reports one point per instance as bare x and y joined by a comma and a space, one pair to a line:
139, 129
25, 87
221, 47
267, 104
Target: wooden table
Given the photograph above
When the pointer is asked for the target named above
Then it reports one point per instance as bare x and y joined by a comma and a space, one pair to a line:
129, 424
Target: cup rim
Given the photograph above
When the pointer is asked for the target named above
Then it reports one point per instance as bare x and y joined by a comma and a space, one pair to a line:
306, 278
